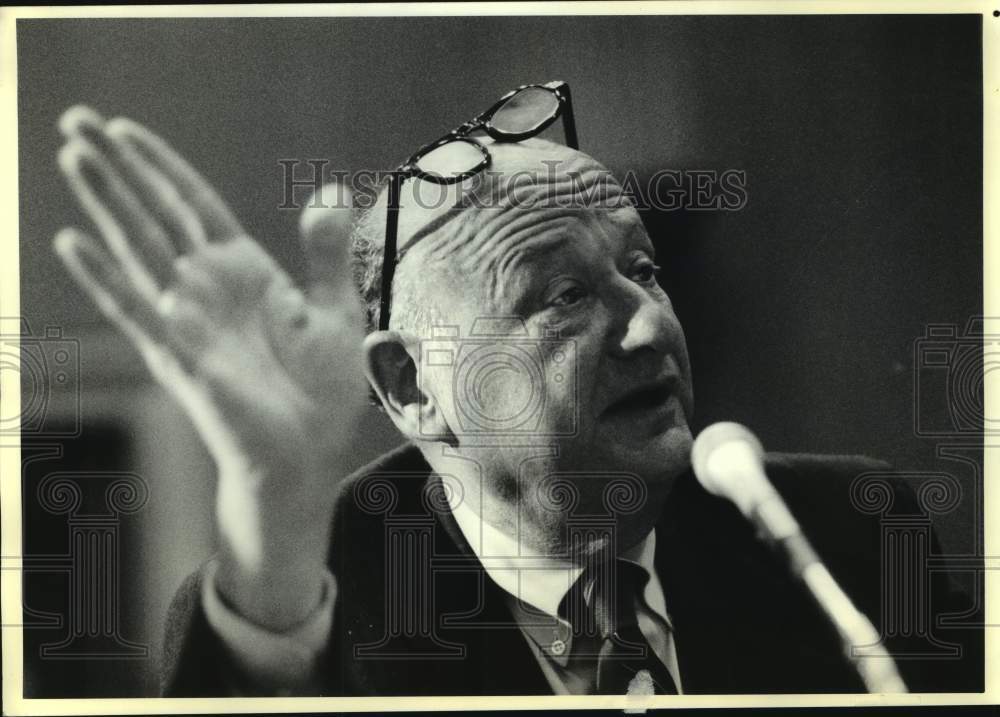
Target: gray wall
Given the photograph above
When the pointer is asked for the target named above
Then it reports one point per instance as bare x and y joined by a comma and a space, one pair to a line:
860, 137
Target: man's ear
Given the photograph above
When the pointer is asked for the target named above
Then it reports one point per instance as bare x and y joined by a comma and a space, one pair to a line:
392, 372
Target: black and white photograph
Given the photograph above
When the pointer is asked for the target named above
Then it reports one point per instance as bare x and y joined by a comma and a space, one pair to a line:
640, 352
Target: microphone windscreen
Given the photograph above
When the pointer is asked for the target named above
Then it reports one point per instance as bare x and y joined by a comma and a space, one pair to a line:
728, 461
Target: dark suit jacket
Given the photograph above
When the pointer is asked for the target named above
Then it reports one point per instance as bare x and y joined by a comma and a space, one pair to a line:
428, 620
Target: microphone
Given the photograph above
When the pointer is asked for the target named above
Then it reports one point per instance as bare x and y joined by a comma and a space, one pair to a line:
728, 461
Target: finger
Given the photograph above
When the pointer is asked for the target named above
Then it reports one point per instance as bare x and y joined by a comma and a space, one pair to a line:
131, 233
160, 197
125, 207
74, 120
218, 220
325, 227
115, 294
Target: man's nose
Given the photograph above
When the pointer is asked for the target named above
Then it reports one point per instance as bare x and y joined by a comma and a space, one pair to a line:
642, 322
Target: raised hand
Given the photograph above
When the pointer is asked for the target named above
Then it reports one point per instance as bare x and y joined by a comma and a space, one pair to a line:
271, 377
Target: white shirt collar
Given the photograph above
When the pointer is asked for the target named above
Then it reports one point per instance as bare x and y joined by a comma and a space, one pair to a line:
539, 580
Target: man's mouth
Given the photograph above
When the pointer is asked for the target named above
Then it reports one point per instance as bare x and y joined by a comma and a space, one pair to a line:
643, 399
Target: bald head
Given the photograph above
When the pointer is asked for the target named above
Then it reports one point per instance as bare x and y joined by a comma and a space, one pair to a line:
448, 233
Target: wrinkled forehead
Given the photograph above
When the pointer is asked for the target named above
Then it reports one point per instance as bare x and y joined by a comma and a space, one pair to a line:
527, 183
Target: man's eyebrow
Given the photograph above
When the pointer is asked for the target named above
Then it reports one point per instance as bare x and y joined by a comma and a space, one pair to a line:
531, 249
638, 234
548, 245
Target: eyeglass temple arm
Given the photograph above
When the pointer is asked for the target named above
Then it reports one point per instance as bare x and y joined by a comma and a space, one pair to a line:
389, 249
392, 213
569, 124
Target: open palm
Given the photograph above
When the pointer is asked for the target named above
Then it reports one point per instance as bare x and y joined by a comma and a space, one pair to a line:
271, 376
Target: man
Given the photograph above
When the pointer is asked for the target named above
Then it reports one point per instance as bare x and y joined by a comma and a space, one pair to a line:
541, 532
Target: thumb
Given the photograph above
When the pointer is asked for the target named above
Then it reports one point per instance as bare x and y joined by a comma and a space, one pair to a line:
325, 228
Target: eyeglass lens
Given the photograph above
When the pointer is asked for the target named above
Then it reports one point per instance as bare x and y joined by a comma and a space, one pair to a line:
523, 112
451, 159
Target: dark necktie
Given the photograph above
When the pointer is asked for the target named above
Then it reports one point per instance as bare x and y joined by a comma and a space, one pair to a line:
625, 660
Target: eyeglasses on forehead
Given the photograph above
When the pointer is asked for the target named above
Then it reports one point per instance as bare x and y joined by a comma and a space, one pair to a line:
520, 114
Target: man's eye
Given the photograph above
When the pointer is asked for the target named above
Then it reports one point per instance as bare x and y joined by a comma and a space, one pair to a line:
646, 273
569, 297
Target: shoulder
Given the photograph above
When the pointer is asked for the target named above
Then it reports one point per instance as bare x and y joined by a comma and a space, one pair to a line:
393, 485
835, 499
381, 485
839, 494
819, 483
846, 506
796, 472
830, 496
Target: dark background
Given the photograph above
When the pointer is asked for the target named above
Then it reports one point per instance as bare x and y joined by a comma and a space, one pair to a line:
860, 137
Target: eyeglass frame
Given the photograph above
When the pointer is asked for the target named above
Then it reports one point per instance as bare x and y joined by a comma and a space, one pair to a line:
409, 170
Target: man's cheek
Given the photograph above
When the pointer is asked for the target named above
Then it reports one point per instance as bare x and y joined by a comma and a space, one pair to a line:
563, 408
504, 397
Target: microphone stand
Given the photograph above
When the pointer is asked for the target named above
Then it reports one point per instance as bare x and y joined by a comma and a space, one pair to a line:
862, 645
728, 462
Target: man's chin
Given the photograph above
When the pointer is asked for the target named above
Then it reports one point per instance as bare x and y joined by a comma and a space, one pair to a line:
656, 458
658, 463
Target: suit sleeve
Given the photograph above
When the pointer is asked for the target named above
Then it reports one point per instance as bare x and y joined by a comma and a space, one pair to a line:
211, 650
